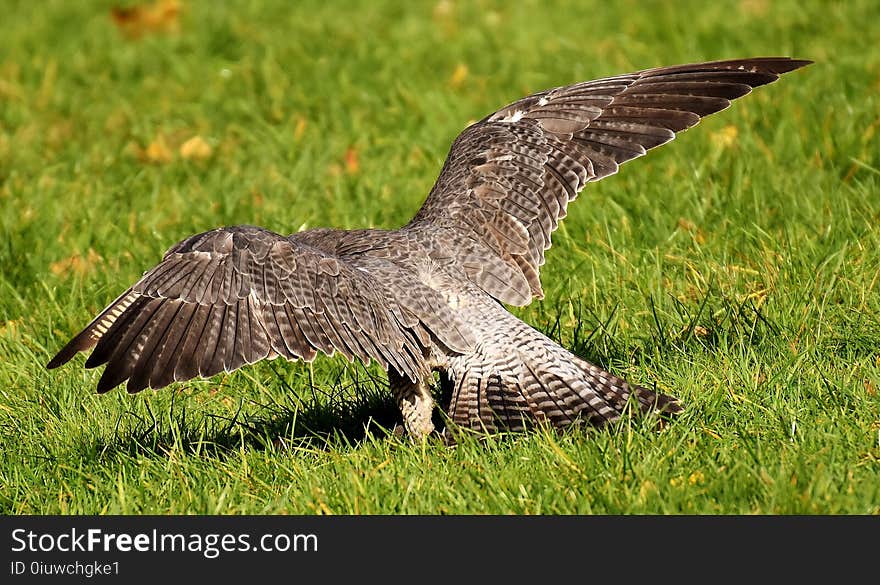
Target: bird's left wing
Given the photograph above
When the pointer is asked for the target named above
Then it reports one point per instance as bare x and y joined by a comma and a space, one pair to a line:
508, 179
236, 295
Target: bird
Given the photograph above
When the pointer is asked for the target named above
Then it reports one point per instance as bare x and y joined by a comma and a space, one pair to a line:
429, 297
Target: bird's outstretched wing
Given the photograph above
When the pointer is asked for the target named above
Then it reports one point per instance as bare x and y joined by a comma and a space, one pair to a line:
234, 296
508, 179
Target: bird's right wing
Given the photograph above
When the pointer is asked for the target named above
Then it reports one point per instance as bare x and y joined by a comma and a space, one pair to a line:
508, 179
234, 296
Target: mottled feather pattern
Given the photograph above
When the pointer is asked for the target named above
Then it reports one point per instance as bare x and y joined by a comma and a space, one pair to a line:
517, 376
567, 136
246, 294
427, 296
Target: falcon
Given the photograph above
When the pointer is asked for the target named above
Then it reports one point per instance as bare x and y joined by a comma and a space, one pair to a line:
428, 297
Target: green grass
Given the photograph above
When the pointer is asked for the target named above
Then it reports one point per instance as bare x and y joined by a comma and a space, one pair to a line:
739, 275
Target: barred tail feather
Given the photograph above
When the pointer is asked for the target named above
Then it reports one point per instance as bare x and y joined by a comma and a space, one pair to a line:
539, 381
618, 392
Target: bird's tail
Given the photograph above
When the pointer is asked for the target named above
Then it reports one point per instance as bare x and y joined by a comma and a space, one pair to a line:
526, 378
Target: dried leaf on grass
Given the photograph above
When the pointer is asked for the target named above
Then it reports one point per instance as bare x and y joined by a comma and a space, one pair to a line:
196, 149
162, 16
725, 138
162, 149
156, 152
76, 264
459, 76
352, 163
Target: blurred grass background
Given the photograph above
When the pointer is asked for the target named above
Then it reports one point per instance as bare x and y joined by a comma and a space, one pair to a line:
736, 268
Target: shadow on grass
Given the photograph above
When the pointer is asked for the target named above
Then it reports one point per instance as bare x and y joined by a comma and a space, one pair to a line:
710, 324
331, 418
345, 415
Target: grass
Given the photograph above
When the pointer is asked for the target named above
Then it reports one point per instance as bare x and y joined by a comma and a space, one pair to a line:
737, 268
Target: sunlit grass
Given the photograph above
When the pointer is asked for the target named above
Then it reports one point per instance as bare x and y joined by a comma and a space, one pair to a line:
737, 268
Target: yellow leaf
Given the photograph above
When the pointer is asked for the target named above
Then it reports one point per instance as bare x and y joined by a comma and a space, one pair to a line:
443, 9
459, 76
76, 264
726, 137
300, 128
158, 151
196, 149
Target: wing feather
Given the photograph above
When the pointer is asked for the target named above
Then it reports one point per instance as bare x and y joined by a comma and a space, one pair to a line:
118, 370
232, 296
189, 358
527, 161
163, 367
150, 343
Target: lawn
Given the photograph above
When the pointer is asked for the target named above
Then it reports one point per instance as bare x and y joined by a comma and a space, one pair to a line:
737, 268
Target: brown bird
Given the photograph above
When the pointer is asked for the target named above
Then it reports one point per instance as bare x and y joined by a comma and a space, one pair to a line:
428, 296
